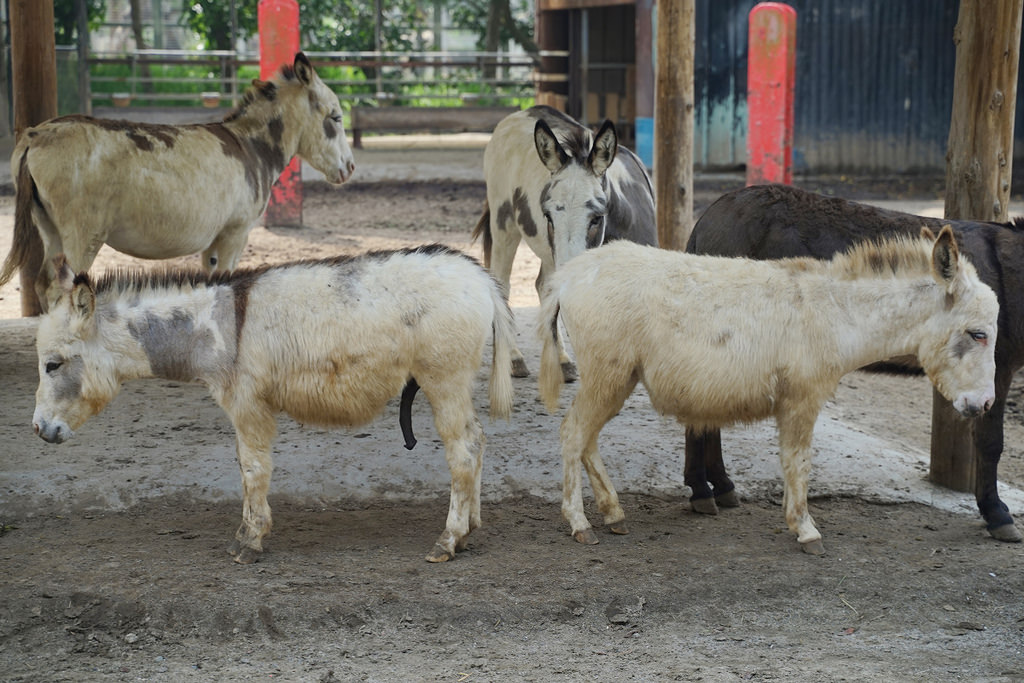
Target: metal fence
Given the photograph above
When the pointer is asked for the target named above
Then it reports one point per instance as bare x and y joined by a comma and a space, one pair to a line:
215, 78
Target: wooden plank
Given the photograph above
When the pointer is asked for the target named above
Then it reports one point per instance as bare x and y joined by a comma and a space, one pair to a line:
444, 118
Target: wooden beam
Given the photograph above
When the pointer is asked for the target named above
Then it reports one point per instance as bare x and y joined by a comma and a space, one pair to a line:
34, 81
979, 161
673, 122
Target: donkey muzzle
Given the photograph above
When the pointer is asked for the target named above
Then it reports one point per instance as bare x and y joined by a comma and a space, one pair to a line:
52, 432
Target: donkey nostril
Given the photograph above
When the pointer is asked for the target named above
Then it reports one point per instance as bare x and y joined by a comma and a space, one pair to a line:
35, 428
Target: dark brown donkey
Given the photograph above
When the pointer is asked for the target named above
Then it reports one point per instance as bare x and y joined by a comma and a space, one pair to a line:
777, 221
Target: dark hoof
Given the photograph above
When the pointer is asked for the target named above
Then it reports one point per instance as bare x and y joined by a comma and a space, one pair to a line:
619, 528
247, 556
519, 368
729, 499
569, 374
704, 506
586, 537
814, 547
439, 554
1007, 533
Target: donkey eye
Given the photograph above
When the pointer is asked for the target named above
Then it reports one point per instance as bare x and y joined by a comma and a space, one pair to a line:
336, 118
53, 366
978, 336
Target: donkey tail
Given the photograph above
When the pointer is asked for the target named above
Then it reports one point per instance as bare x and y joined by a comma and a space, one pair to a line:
550, 378
504, 341
26, 244
483, 228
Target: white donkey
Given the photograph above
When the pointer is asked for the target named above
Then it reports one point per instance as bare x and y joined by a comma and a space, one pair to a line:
552, 182
161, 191
327, 342
717, 341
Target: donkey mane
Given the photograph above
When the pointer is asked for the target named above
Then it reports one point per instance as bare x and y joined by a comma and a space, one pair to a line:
899, 256
121, 281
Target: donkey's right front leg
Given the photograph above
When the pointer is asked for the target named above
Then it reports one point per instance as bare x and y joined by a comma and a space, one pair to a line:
254, 437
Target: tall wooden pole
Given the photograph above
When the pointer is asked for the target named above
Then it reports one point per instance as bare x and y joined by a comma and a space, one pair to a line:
34, 80
673, 122
979, 160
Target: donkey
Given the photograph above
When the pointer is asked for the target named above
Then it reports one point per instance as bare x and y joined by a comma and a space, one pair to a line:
717, 341
327, 342
778, 221
585, 189
161, 191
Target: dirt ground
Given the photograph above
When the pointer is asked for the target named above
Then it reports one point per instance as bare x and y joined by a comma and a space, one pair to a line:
145, 591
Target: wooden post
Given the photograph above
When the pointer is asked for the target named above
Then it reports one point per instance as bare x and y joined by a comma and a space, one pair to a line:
673, 122
771, 79
278, 22
978, 164
34, 77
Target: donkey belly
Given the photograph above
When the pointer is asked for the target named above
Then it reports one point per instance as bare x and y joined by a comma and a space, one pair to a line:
339, 393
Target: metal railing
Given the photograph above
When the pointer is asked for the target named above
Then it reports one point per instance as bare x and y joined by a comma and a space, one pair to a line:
212, 77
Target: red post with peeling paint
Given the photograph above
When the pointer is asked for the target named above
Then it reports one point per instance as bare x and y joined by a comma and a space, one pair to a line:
278, 22
771, 77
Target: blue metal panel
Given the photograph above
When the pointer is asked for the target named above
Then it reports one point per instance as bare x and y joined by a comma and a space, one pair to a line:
874, 84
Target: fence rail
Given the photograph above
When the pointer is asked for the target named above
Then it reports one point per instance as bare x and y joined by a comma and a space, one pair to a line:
161, 77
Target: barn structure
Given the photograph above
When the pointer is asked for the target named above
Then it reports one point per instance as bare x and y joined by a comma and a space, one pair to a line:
874, 81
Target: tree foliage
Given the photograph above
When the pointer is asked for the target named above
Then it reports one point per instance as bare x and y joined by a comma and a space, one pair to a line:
65, 18
350, 25
495, 22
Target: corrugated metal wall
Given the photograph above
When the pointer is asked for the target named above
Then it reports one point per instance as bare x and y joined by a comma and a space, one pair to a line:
874, 84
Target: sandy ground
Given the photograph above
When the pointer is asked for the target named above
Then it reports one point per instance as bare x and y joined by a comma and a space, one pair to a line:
112, 564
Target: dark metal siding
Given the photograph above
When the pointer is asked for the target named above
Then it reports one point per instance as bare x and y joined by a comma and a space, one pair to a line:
874, 84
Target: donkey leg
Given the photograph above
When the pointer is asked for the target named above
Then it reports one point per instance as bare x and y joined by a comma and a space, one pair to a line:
569, 372
714, 467
460, 431
593, 406
255, 433
988, 445
796, 426
226, 248
695, 471
505, 241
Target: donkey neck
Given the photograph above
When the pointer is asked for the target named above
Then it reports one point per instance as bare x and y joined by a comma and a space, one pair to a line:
879, 318
183, 335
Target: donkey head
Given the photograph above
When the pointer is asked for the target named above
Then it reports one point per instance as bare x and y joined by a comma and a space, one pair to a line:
958, 350
575, 200
316, 109
77, 377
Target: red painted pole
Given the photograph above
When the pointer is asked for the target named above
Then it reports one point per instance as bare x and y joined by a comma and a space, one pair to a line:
771, 78
278, 22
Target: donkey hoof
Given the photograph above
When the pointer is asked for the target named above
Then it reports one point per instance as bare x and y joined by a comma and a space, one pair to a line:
247, 556
586, 537
440, 554
519, 368
815, 547
569, 374
1007, 533
704, 506
729, 499
619, 528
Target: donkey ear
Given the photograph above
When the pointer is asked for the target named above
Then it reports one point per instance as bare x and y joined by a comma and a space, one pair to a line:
303, 69
945, 257
550, 152
83, 298
606, 146
64, 277
927, 234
